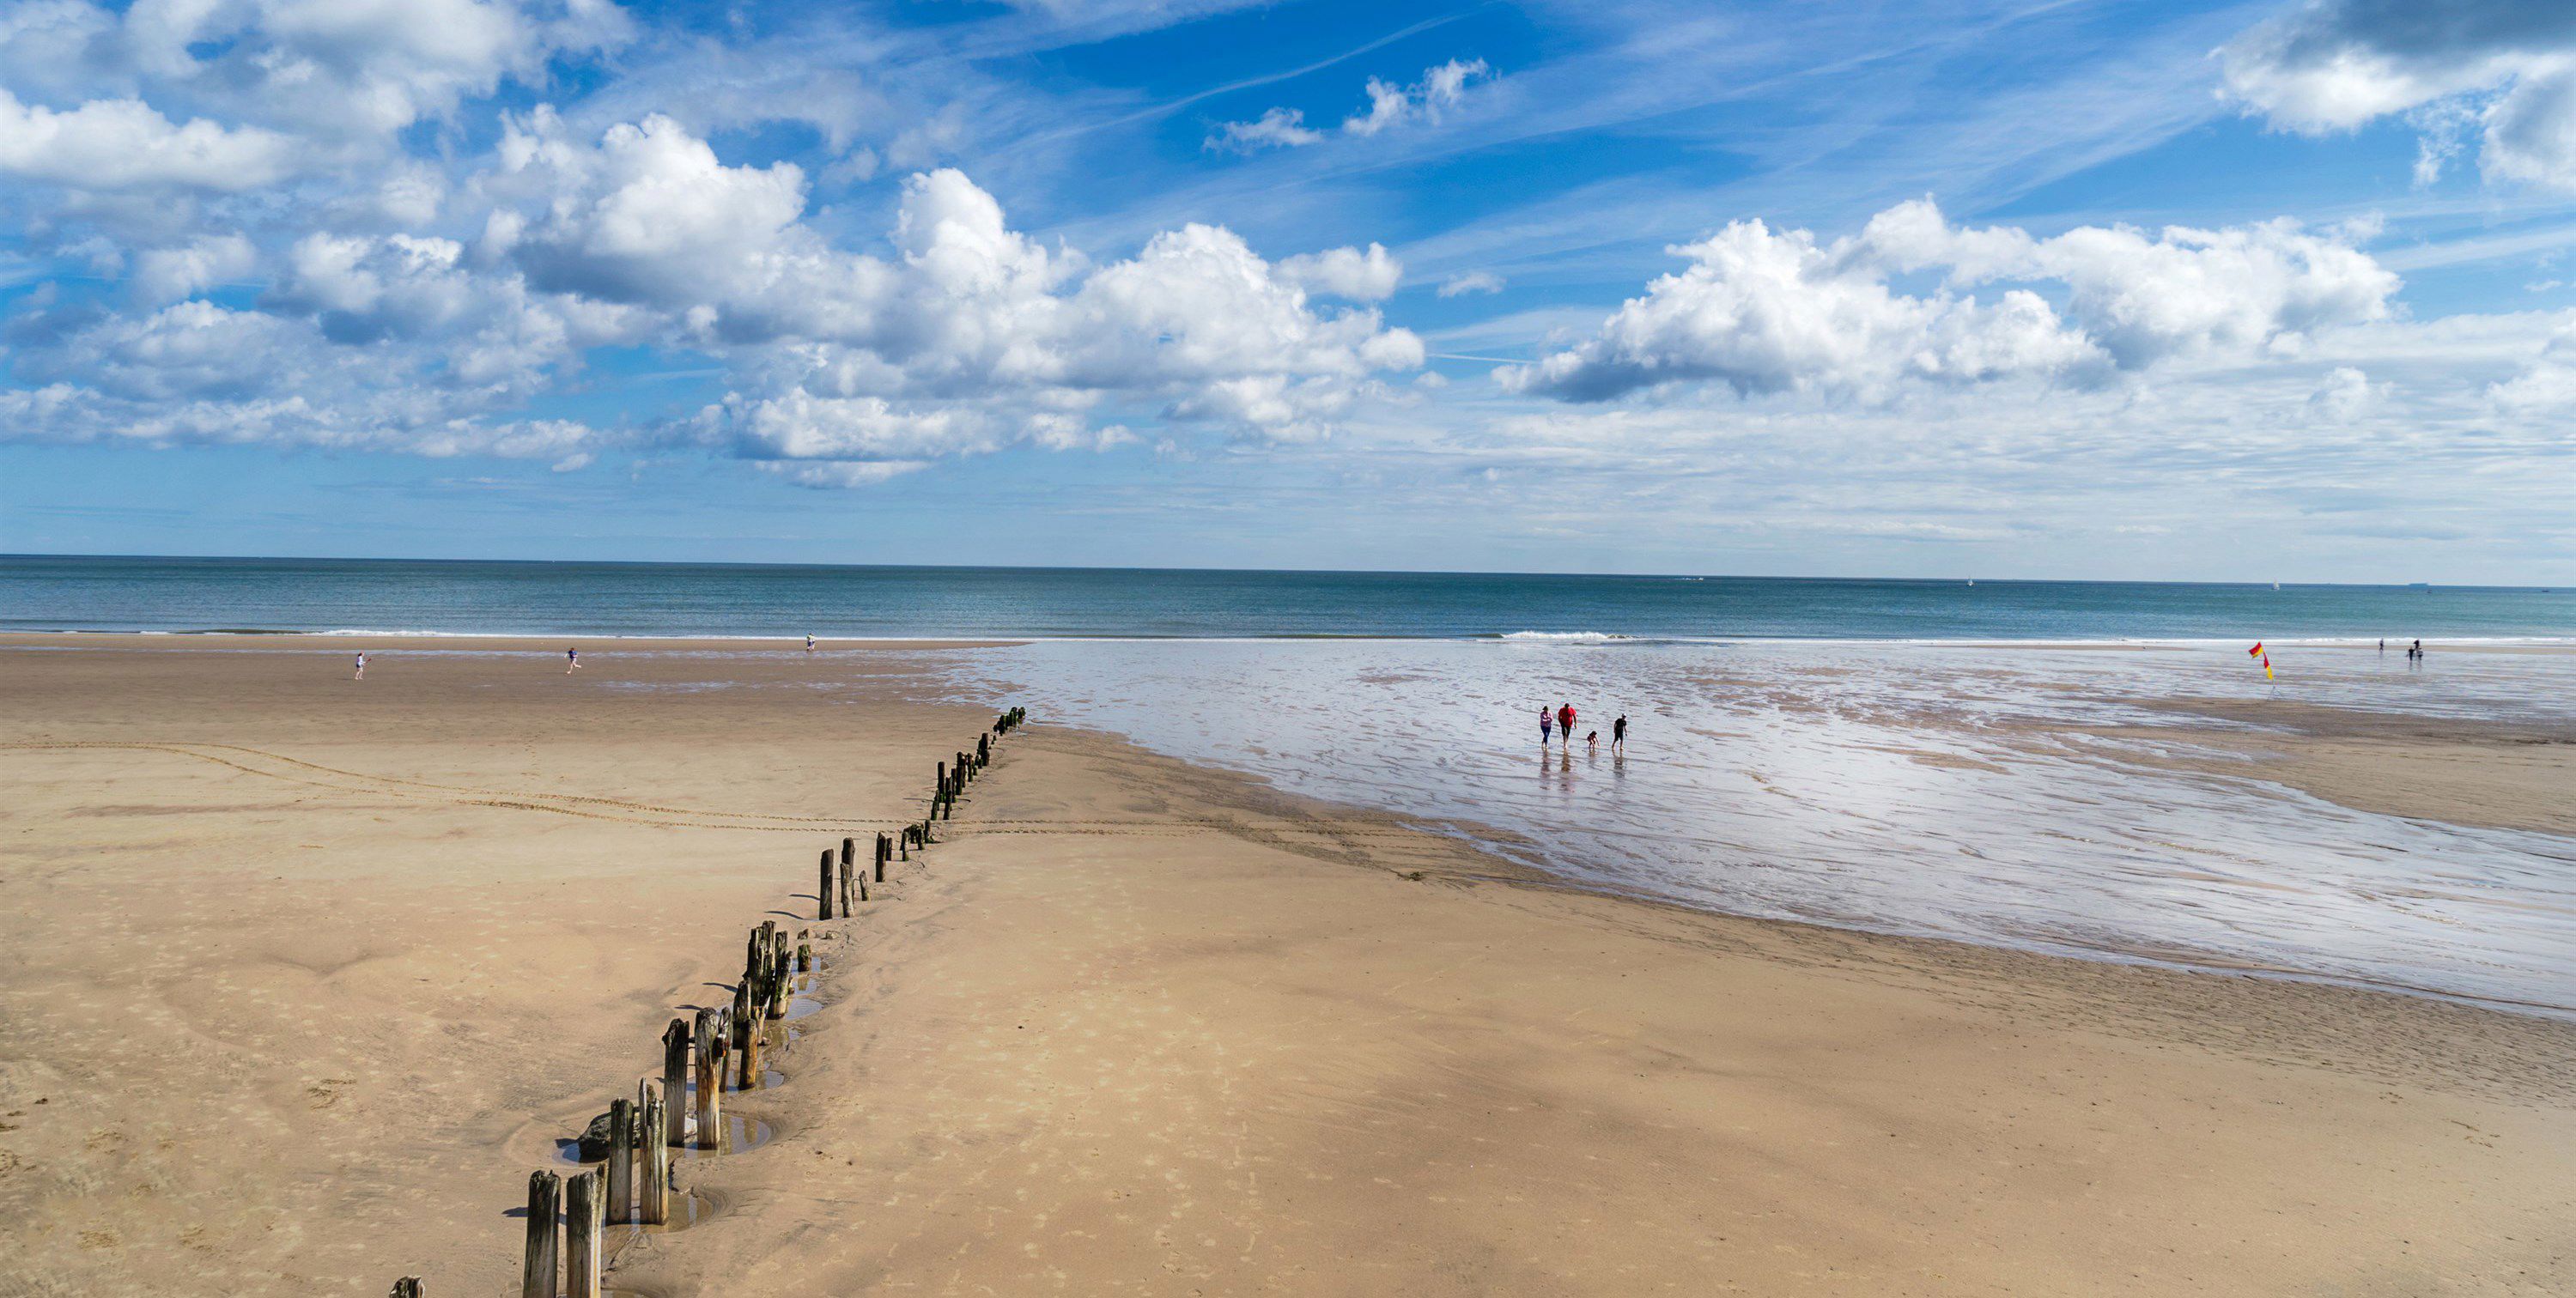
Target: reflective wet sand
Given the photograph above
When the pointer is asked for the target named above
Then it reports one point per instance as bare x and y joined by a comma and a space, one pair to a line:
2114, 801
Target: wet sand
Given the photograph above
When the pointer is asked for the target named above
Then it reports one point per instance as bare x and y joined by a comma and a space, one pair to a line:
2503, 775
306, 975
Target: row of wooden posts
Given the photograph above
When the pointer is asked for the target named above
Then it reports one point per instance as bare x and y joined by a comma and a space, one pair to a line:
698, 1056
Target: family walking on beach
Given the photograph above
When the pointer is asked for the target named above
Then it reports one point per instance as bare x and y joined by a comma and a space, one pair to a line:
1563, 719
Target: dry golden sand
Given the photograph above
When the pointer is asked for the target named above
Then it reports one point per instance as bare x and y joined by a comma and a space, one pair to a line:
308, 974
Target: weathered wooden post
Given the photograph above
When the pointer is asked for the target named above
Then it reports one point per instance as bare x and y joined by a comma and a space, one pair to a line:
621, 1158
710, 1082
583, 1208
675, 1082
884, 850
804, 956
746, 1039
407, 1287
724, 1044
773, 988
823, 887
771, 985
657, 1158
537, 1279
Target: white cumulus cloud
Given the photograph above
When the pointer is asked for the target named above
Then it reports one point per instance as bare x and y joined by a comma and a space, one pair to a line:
169, 274
649, 214
1766, 311
2504, 67
125, 144
2548, 384
1361, 275
1393, 105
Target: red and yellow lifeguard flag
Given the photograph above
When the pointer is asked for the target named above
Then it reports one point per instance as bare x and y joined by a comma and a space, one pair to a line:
2257, 652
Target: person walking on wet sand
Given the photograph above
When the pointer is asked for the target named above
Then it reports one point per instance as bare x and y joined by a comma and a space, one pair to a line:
1619, 733
362, 668
1546, 725
572, 659
1565, 722
809, 644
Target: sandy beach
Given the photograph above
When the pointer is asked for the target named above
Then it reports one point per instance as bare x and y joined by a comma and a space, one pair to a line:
305, 975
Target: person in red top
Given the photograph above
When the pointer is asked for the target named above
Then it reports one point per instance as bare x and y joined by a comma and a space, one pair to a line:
1565, 720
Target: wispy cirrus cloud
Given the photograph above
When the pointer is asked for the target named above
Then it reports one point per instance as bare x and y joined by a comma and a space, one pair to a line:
1390, 105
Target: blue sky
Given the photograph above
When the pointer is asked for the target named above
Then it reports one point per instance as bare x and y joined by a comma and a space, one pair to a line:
2224, 291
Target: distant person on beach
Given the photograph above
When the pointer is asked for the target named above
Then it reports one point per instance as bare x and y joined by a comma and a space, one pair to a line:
809, 644
2383, 646
572, 660
1619, 732
1565, 720
1546, 723
1592, 740
362, 668
2416, 651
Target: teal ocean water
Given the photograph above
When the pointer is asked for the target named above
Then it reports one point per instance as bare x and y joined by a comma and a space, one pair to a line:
1927, 758
603, 599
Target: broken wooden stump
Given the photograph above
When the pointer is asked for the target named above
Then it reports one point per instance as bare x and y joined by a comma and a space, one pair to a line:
621, 1158
710, 1079
656, 1207
537, 1279
675, 1082
585, 1202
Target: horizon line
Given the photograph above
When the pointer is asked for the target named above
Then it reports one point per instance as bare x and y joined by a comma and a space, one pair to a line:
6, 556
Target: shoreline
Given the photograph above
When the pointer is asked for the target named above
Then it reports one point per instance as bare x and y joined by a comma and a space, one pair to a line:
2294, 741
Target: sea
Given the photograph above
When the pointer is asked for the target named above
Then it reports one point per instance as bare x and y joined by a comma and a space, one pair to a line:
48, 593
2038, 765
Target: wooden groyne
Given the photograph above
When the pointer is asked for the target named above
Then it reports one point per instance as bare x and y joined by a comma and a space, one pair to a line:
638, 1139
